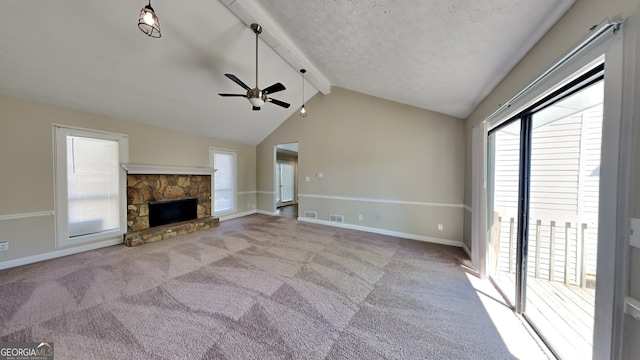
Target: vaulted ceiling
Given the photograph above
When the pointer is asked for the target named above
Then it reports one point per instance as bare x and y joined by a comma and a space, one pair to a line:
441, 55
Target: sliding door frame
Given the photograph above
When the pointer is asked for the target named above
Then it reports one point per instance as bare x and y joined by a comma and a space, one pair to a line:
612, 261
523, 212
588, 78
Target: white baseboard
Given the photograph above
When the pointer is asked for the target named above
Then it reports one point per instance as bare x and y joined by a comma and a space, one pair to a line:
237, 215
466, 249
82, 248
384, 232
58, 253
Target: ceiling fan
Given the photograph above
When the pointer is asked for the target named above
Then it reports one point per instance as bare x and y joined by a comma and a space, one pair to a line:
257, 97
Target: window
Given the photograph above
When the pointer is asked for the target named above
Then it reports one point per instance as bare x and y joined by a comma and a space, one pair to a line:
224, 180
90, 185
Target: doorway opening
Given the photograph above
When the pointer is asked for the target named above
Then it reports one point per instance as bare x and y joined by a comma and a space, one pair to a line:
286, 180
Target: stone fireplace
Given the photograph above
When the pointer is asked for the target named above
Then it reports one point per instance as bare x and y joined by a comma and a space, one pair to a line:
163, 203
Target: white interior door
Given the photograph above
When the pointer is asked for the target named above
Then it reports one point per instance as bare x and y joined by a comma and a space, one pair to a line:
285, 182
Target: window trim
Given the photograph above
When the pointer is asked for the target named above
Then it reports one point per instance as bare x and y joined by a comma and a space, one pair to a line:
60, 133
234, 190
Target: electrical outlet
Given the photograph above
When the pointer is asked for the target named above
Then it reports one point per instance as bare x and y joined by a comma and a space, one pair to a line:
440, 227
360, 217
4, 246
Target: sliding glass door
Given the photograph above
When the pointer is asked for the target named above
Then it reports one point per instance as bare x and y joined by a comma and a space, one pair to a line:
563, 221
543, 197
503, 177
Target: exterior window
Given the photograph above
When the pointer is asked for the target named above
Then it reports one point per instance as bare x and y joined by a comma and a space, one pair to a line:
90, 185
224, 180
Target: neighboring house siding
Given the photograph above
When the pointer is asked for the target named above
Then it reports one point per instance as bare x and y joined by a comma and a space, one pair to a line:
591, 187
564, 189
507, 173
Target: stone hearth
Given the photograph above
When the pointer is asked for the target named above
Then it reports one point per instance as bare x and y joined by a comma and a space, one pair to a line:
164, 232
142, 189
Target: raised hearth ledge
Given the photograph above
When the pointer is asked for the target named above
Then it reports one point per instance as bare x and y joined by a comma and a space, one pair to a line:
141, 169
168, 231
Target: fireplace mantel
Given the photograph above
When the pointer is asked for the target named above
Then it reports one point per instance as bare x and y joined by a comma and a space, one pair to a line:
140, 169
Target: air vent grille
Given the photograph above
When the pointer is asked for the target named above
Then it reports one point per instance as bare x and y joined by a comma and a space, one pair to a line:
311, 214
336, 218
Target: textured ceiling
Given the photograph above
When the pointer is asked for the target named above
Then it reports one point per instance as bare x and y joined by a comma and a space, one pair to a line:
89, 55
441, 55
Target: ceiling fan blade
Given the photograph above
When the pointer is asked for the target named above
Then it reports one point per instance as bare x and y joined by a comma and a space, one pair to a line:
274, 88
237, 81
234, 95
279, 103
255, 108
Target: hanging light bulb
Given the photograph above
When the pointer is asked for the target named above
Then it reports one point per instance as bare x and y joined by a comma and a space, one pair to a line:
148, 22
148, 18
303, 111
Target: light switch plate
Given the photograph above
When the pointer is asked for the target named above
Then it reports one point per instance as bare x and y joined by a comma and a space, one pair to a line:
634, 239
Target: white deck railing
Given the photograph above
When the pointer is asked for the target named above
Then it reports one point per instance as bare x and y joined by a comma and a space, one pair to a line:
562, 251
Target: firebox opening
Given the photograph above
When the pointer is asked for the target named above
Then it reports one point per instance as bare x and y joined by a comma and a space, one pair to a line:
172, 211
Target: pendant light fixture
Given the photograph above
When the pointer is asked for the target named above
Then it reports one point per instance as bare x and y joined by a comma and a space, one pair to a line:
148, 22
303, 111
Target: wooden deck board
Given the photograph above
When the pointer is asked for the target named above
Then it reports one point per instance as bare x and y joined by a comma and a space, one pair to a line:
579, 296
560, 310
562, 314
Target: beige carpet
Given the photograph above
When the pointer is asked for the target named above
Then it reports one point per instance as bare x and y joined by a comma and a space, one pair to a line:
258, 287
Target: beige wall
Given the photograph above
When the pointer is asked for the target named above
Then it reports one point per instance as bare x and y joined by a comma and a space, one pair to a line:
369, 148
568, 30
26, 160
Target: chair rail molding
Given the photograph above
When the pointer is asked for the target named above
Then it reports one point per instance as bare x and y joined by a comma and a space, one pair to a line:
27, 215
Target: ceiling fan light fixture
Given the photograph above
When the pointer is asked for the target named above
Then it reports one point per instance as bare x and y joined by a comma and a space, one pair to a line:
257, 102
148, 22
